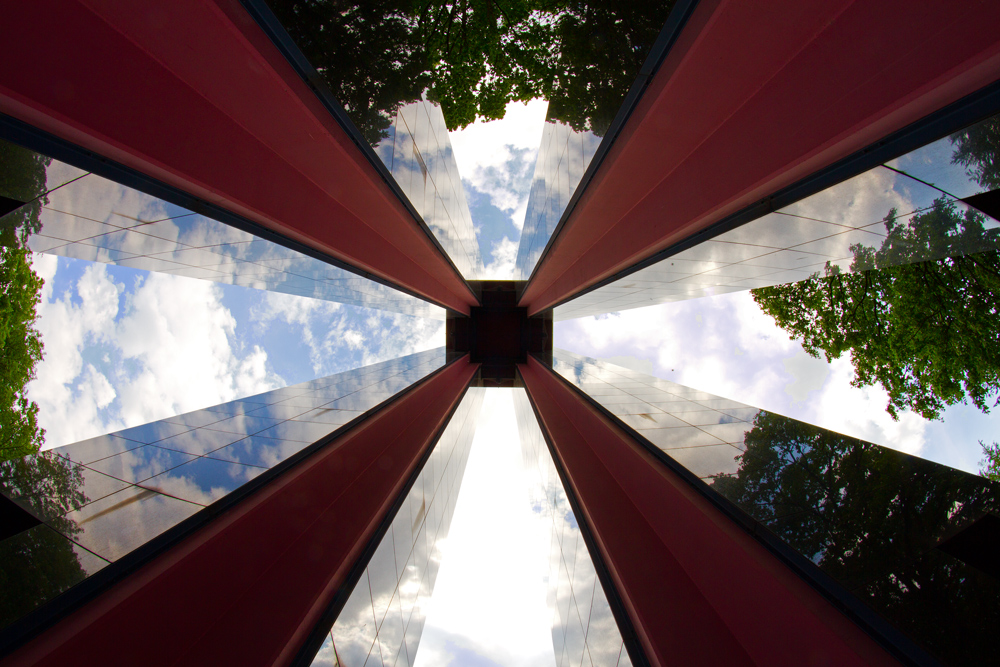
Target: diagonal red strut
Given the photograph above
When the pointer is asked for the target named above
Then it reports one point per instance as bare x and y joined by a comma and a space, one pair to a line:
753, 97
698, 589
194, 94
248, 588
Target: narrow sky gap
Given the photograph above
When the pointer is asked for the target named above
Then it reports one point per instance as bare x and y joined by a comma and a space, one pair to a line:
496, 161
488, 606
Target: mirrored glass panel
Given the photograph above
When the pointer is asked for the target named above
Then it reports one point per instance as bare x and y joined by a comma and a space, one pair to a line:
563, 157
418, 154
384, 616
57, 209
584, 631
935, 203
908, 537
97, 500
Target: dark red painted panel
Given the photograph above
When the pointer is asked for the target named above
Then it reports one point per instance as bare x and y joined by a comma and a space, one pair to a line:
698, 589
193, 93
247, 588
754, 97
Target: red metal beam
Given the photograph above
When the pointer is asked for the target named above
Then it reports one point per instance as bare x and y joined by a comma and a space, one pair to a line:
698, 589
753, 97
249, 587
193, 93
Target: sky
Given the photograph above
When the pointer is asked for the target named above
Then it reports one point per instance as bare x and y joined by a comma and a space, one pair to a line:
497, 162
124, 347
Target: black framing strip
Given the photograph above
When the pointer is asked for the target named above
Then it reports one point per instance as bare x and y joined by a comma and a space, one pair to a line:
897, 644
668, 36
625, 627
269, 23
306, 655
40, 141
58, 608
971, 109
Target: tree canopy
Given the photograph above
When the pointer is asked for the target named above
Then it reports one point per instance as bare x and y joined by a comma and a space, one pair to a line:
473, 57
599, 47
871, 518
978, 148
22, 176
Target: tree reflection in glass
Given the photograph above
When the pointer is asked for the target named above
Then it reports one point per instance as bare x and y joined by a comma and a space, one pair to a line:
872, 518
919, 314
39, 563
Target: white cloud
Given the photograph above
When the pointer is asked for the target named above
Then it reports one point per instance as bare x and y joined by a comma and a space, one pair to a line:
498, 157
173, 337
400, 335
327, 328
302, 313
485, 144
504, 260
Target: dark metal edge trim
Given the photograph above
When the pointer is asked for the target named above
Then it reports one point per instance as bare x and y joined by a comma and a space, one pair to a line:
40, 141
269, 23
897, 644
625, 627
312, 645
668, 36
960, 114
74, 598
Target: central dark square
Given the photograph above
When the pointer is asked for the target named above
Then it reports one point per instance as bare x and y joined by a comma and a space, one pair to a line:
498, 334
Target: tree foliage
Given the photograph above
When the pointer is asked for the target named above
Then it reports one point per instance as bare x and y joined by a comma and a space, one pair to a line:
918, 315
38, 563
871, 518
990, 465
927, 331
978, 148
473, 57
22, 176
599, 47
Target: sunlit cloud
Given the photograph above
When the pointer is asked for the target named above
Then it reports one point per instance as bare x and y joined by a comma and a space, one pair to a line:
117, 356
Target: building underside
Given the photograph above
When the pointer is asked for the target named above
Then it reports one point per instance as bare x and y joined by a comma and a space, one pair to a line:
687, 528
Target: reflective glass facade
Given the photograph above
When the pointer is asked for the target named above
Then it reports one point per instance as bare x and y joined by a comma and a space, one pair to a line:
84, 216
563, 157
907, 210
100, 499
418, 154
877, 521
382, 620
867, 522
584, 631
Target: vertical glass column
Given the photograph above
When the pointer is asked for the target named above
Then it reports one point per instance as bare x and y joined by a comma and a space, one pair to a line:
584, 630
382, 620
418, 154
61, 210
937, 202
563, 157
